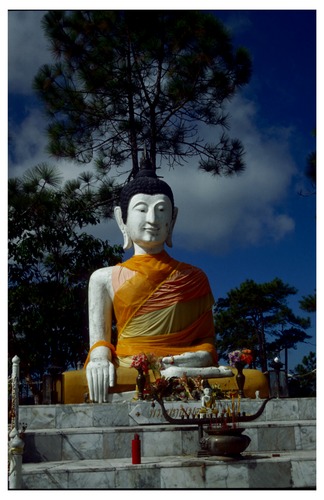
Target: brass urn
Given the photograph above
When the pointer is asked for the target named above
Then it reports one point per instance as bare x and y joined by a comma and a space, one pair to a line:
230, 442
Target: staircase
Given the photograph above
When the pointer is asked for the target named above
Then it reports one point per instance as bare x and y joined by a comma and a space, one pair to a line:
88, 446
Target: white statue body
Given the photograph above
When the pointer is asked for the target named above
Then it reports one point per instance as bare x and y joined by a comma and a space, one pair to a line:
149, 226
207, 398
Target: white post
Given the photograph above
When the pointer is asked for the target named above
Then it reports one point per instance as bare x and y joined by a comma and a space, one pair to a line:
16, 444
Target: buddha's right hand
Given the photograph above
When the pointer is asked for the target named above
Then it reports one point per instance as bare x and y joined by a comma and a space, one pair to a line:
100, 375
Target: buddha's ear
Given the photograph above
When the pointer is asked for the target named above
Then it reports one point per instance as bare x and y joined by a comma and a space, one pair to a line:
119, 219
174, 218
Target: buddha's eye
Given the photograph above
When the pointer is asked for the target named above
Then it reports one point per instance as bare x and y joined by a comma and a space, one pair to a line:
141, 208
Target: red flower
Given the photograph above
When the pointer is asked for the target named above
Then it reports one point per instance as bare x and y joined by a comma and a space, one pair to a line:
243, 356
246, 356
140, 362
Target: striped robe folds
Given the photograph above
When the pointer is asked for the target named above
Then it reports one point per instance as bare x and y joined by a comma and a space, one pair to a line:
162, 306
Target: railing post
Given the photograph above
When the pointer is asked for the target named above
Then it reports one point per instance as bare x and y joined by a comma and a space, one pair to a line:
16, 444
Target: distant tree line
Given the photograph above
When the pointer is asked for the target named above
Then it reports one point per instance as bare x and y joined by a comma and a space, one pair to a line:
256, 316
51, 257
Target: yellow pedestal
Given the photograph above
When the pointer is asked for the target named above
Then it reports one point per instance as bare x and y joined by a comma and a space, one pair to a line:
75, 387
254, 381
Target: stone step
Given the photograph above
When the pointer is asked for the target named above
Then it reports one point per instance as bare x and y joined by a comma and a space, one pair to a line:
156, 440
287, 470
122, 412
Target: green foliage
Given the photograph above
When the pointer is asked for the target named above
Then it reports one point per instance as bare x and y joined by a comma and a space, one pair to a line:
311, 168
308, 303
124, 79
310, 171
50, 262
303, 381
253, 314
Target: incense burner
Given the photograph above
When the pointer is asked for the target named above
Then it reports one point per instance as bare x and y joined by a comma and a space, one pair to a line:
224, 442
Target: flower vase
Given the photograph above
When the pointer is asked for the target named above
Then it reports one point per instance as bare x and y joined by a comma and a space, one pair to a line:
240, 378
141, 382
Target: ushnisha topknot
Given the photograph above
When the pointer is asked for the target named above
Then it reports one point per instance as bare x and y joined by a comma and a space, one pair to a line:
146, 182
206, 384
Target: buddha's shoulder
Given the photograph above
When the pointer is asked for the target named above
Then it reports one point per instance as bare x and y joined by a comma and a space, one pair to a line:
102, 274
110, 272
191, 269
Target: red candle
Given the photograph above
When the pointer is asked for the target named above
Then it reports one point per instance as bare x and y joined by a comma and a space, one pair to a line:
136, 450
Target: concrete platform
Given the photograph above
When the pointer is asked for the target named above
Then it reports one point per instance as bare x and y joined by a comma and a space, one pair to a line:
123, 412
255, 471
156, 441
88, 446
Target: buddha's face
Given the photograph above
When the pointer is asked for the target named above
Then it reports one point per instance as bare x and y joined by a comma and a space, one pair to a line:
149, 219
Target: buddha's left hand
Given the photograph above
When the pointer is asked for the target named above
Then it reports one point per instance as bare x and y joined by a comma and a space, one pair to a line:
189, 359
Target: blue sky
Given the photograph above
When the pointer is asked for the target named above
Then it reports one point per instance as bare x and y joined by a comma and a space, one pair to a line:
256, 226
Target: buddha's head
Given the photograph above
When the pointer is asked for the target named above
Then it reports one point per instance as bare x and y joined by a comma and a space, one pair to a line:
207, 390
146, 214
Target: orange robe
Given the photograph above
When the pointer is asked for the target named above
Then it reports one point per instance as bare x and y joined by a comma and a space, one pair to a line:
162, 306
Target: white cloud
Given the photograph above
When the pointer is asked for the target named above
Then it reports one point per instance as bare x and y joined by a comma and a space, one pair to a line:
27, 49
215, 213
28, 141
28, 145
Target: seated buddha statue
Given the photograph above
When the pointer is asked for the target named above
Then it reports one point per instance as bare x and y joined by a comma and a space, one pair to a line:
161, 306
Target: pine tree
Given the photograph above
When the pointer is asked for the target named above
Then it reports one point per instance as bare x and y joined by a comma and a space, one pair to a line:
252, 314
51, 258
125, 80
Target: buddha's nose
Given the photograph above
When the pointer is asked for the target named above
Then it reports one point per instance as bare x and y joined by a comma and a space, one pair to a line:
151, 216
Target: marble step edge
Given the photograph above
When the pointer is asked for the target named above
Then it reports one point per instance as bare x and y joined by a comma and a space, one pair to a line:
161, 427
289, 470
131, 402
121, 412
163, 461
